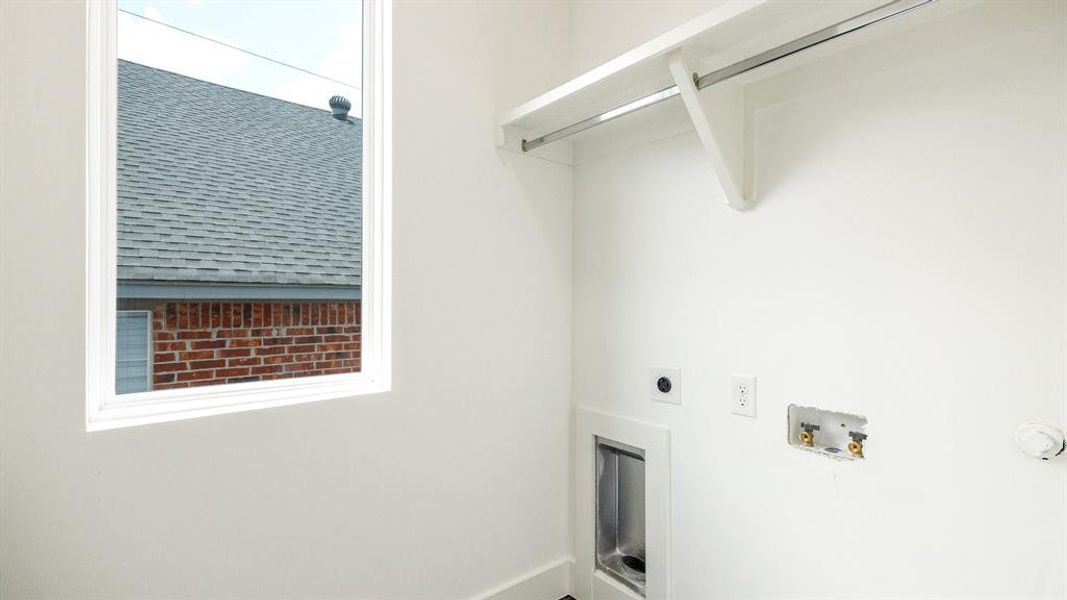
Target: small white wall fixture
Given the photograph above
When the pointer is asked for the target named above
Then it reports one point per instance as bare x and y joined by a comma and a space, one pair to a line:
829, 433
654, 440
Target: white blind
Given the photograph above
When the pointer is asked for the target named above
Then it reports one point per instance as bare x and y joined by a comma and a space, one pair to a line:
132, 352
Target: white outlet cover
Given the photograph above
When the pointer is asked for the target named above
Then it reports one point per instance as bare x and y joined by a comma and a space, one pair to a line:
674, 395
743, 395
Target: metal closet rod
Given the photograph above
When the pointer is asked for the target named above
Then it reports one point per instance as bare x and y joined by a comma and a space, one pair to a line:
826, 34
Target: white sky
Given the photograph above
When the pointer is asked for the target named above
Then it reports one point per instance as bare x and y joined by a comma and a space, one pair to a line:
323, 36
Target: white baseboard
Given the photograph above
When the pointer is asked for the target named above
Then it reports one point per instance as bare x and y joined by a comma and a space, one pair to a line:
548, 582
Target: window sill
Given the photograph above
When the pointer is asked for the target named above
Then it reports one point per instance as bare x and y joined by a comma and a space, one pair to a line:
131, 410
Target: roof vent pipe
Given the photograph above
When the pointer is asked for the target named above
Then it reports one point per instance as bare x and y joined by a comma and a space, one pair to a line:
340, 107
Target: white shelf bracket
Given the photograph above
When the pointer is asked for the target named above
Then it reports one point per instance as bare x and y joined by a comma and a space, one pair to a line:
718, 114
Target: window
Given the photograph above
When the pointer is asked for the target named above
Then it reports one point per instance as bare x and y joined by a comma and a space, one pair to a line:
238, 205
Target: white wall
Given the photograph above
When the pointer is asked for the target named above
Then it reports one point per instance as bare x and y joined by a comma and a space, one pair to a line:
447, 487
905, 261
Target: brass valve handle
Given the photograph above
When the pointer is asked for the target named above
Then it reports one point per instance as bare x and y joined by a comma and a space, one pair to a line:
856, 445
807, 437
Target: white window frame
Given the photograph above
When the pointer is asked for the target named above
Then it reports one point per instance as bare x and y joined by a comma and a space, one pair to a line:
107, 410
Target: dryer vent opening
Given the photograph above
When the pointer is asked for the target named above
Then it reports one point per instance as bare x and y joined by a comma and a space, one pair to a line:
620, 512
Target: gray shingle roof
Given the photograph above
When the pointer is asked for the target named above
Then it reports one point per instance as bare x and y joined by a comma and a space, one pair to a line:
217, 185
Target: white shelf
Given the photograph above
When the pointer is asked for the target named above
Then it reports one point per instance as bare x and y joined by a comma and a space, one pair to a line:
643, 68
729, 32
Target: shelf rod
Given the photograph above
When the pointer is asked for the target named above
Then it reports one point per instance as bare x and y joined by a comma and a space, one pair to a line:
604, 117
826, 34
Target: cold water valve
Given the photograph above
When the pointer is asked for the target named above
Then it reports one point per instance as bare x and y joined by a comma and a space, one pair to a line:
856, 445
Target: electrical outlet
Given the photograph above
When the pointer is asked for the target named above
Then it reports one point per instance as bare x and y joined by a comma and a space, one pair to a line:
665, 385
743, 395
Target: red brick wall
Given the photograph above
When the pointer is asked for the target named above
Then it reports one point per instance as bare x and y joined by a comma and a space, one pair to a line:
206, 343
